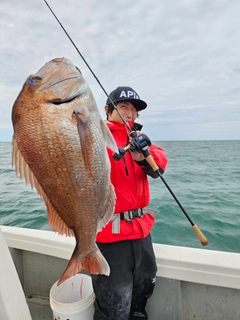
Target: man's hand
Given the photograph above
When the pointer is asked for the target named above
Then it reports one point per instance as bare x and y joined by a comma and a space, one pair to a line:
137, 155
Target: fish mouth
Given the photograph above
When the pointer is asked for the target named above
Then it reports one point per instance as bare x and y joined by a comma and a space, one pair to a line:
57, 101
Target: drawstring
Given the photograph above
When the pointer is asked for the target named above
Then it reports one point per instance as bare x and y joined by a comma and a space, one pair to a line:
125, 165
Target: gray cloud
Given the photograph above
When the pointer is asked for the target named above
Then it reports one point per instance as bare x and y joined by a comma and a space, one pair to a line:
182, 57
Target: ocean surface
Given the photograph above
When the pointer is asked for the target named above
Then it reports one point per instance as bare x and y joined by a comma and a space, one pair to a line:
203, 175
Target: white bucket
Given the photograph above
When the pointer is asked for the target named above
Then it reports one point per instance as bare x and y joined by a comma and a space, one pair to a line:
73, 299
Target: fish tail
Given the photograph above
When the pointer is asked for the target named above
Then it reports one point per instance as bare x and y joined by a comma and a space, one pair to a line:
93, 263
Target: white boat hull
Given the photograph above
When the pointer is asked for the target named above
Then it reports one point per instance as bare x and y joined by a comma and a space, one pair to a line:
191, 283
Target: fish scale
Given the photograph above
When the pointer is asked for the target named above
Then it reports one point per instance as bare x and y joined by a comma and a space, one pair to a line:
59, 147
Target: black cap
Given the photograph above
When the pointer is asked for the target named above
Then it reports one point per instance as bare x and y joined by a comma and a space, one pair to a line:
126, 94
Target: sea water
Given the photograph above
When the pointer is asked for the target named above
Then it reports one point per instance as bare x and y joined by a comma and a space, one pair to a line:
203, 175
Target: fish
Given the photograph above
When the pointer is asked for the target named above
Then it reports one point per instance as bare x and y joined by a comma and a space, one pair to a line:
59, 147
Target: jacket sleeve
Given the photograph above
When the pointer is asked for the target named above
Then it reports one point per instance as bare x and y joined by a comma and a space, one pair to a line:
159, 157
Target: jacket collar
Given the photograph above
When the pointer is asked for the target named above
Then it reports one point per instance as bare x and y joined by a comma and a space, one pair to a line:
120, 125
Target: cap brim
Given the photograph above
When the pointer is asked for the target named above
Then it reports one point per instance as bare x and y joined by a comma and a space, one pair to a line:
138, 104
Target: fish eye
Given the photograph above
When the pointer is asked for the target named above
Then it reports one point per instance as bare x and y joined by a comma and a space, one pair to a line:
37, 78
33, 78
78, 70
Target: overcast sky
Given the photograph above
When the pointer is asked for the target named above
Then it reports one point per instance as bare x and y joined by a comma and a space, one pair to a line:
181, 56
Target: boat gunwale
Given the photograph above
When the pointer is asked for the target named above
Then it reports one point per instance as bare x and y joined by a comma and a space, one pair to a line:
203, 266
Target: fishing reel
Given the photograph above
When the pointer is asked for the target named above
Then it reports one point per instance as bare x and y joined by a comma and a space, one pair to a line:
139, 143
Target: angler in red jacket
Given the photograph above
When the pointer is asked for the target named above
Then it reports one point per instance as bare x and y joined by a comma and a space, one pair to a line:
126, 241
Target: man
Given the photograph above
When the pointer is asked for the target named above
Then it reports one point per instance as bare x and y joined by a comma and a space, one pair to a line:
125, 241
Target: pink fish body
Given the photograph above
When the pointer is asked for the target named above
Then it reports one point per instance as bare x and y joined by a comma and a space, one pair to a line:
59, 147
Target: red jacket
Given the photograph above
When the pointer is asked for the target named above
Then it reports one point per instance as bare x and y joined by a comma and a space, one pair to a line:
131, 188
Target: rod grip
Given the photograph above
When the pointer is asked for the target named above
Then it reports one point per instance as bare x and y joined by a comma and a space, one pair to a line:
152, 163
200, 235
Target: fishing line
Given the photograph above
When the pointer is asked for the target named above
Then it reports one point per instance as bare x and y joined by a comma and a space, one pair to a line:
113, 102
133, 135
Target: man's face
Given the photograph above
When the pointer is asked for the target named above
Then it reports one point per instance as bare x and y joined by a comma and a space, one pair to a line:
127, 110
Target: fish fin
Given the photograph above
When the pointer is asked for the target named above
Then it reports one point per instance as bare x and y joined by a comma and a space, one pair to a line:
93, 263
55, 222
109, 208
85, 135
108, 138
22, 168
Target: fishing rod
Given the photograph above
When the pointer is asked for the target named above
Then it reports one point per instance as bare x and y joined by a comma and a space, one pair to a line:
142, 143
113, 102
139, 143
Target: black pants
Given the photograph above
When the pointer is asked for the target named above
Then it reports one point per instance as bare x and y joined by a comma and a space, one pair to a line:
123, 294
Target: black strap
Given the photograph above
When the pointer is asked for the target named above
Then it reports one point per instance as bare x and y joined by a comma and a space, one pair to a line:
131, 214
